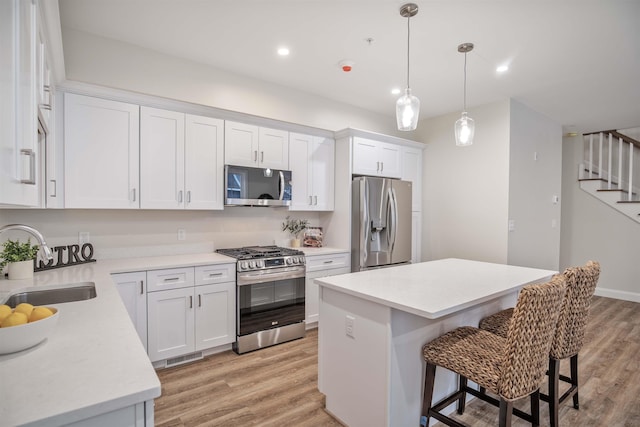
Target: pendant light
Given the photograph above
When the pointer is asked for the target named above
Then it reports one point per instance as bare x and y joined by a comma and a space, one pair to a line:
408, 106
465, 126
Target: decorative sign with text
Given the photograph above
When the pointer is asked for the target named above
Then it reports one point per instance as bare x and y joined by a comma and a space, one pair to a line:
66, 256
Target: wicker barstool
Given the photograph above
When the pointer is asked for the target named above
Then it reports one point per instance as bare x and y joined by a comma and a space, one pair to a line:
511, 367
569, 336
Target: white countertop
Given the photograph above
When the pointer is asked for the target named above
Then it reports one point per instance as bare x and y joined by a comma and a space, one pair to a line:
436, 288
94, 361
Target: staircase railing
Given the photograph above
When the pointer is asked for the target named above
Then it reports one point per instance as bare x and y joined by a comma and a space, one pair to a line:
609, 156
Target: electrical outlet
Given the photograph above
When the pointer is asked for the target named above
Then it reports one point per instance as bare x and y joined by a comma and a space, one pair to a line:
83, 237
350, 326
182, 234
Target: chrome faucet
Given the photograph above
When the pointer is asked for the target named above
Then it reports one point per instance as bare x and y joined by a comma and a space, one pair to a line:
35, 233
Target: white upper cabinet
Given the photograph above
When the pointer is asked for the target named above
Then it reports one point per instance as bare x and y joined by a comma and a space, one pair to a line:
376, 158
204, 162
101, 154
254, 146
312, 169
18, 122
161, 159
412, 171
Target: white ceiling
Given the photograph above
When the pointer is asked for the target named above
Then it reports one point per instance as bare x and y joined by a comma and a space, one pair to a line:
576, 61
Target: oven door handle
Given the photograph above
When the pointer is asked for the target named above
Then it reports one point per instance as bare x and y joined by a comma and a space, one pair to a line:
262, 276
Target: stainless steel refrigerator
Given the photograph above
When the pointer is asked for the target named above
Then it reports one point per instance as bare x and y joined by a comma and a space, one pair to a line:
381, 222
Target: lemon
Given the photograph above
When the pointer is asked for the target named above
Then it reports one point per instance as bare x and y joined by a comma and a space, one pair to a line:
40, 313
14, 319
25, 308
5, 311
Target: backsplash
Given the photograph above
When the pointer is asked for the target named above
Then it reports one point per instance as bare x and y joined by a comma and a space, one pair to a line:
134, 233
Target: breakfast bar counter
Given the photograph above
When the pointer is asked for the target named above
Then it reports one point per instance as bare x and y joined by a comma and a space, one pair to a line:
374, 324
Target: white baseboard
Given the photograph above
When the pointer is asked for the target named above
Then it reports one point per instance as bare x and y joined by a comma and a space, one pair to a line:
623, 295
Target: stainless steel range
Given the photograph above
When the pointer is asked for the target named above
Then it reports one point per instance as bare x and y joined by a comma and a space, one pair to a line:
270, 296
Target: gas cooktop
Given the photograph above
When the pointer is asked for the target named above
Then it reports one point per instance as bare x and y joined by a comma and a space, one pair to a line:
256, 252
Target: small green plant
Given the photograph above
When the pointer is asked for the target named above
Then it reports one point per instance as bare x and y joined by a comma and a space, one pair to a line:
14, 251
295, 226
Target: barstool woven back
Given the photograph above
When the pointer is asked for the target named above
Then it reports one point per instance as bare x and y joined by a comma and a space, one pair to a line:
529, 337
574, 313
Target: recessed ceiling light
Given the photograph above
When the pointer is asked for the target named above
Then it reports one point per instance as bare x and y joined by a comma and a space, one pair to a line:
395, 91
283, 51
502, 68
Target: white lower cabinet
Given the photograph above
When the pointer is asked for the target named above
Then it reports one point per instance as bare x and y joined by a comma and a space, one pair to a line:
321, 266
194, 315
133, 291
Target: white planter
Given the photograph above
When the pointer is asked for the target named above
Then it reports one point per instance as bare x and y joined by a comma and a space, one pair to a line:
295, 243
20, 270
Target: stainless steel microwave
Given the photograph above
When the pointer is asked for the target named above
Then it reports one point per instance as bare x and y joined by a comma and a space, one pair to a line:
245, 186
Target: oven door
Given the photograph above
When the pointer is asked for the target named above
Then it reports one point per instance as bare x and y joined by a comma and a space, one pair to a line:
270, 298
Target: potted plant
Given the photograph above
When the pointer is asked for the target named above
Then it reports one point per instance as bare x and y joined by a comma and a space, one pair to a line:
18, 257
295, 227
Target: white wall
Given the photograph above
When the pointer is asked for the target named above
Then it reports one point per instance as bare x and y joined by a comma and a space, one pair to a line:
465, 191
535, 177
117, 233
107, 62
591, 230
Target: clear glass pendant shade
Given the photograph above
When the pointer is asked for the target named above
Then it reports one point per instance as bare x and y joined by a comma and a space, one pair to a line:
407, 111
465, 128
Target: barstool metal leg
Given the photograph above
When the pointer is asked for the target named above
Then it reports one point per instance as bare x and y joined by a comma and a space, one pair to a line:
462, 384
554, 380
574, 380
429, 379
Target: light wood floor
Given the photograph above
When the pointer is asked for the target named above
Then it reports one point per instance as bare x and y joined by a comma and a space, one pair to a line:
277, 386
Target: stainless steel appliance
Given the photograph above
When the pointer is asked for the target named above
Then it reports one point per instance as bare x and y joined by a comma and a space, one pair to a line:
270, 296
245, 186
381, 222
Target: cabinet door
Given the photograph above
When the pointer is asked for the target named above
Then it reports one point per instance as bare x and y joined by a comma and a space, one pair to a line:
322, 173
204, 162
412, 171
390, 160
300, 147
133, 291
215, 315
161, 159
101, 153
365, 157
171, 323
240, 144
312, 292
273, 149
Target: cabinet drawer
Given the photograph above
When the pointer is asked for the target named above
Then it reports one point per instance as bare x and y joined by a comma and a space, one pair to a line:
171, 278
326, 262
218, 273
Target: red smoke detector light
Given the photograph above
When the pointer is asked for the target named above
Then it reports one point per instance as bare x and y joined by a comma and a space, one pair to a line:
346, 65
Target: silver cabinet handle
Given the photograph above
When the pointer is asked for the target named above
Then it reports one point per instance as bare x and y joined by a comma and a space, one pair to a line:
381, 166
180, 196
310, 200
261, 156
255, 156
171, 279
215, 274
134, 194
377, 166
189, 196
190, 301
315, 200
55, 188
32, 166
328, 262
199, 300
141, 287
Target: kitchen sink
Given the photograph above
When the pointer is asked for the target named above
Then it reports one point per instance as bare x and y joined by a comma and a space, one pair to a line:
73, 292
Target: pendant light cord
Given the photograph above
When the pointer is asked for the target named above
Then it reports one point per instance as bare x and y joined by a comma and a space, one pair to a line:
408, 50
464, 96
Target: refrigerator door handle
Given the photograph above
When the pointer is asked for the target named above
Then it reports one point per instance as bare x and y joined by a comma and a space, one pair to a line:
393, 220
364, 226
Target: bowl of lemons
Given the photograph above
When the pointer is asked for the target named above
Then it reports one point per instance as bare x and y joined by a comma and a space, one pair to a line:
25, 326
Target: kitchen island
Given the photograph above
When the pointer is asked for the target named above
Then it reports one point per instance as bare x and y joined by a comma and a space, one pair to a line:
93, 369
374, 324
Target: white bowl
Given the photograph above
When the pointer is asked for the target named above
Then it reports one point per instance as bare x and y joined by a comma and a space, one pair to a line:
22, 337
